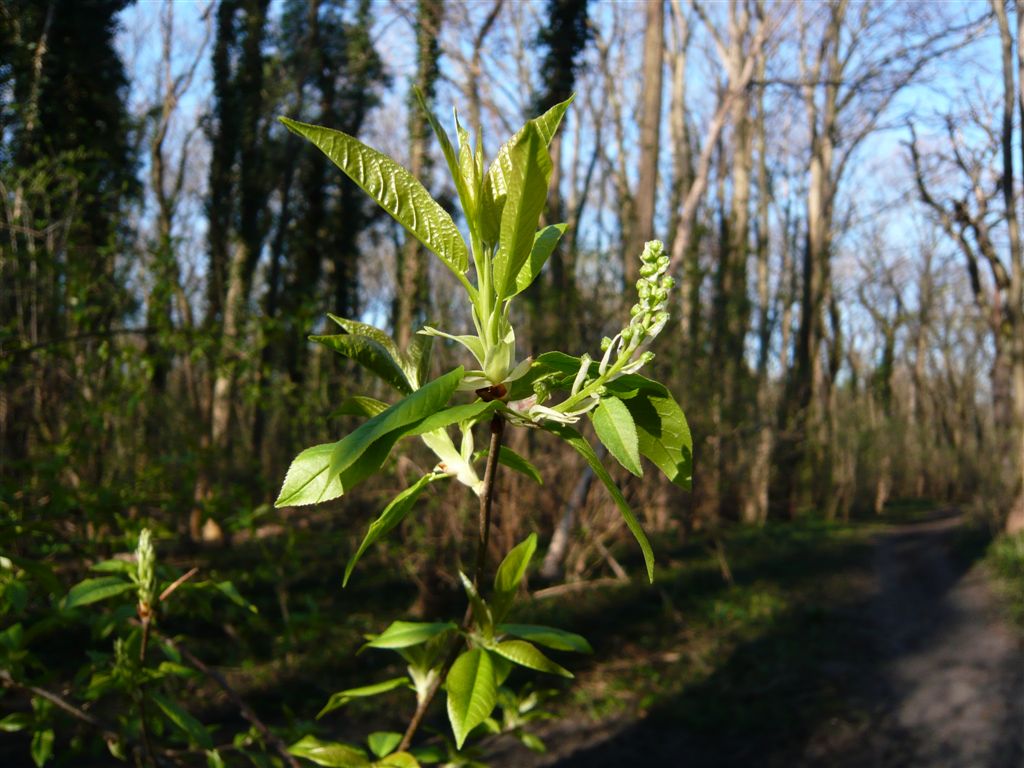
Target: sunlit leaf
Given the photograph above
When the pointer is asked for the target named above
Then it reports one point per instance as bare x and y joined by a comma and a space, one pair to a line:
370, 355
549, 637
331, 754
93, 590
394, 189
525, 655
403, 634
326, 471
543, 245
615, 428
495, 186
341, 698
510, 573
392, 515
383, 743
527, 177
472, 692
462, 187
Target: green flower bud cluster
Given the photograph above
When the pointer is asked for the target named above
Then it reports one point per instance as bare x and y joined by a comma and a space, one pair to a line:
649, 314
621, 354
145, 574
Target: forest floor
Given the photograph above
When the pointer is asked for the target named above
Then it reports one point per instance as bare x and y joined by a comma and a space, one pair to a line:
895, 653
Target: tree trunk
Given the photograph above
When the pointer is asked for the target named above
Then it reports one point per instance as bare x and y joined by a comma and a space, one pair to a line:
412, 272
642, 228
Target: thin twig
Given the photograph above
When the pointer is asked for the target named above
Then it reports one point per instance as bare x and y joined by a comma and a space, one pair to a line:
246, 712
486, 504
576, 586
177, 583
59, 701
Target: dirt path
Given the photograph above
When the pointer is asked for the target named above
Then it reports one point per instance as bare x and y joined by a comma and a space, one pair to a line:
948, 688
926, 673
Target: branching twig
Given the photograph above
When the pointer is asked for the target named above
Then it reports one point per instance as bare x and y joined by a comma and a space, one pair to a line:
177, 583
61, 703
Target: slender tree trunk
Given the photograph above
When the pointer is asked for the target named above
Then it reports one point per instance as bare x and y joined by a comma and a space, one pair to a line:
642, 228
412, 272
1014, 309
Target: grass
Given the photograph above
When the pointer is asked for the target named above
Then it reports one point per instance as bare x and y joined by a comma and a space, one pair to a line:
1006, 559
718, 657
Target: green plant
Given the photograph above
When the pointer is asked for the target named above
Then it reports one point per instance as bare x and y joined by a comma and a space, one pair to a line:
632, 416
130, 691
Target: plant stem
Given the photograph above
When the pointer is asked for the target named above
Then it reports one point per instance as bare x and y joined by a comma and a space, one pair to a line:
146, 616
486, 504
487, 496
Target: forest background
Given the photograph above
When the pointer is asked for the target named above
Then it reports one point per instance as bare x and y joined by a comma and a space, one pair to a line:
837, 184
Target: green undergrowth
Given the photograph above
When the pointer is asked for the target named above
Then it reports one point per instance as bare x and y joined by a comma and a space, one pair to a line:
694, 649
1006, 559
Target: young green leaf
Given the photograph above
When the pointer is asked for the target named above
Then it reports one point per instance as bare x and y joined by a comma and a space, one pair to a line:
472, 343
307, 478
383, 743
526, 179
403, 634
583, 448
196, 732
461, 186
549, 637
495, 184
515, 462
330, 754
472, 692
42, 746
615, 428
341, 698
370, 355
16, 721
469, 170
456, 414
229, 590
662, 432
525, 655
392, 515
482, 617
396, 760
93, 590
360, 405
417, 359
356, 328
543, 245
114, 566
513, 567
393, 188
422, 403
